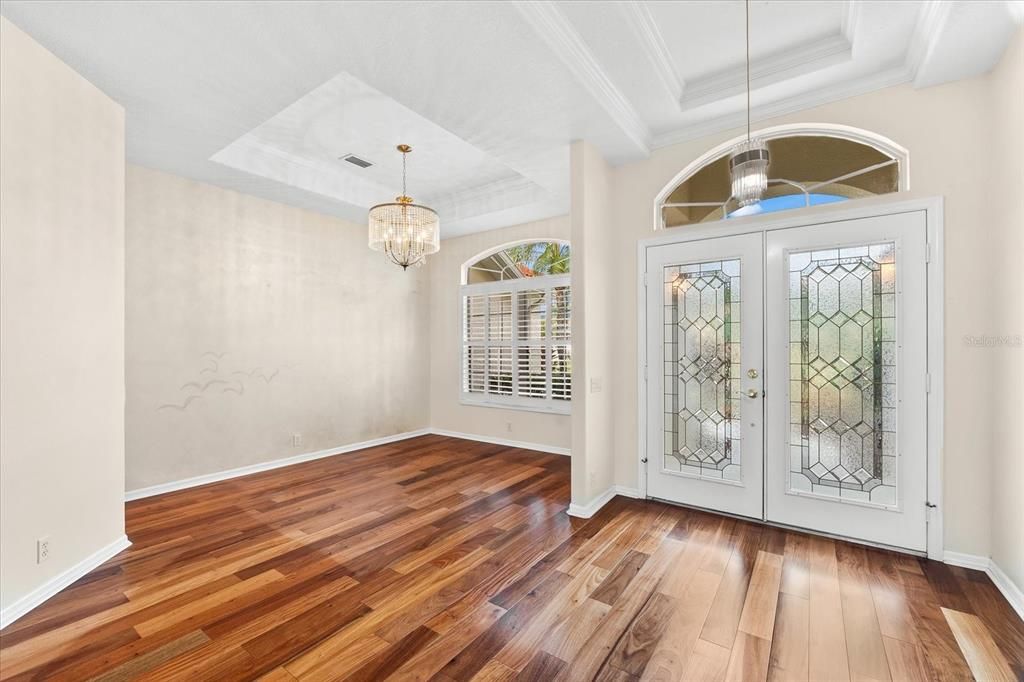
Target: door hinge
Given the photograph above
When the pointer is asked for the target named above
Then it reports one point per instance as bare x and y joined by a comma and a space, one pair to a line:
928, 382
646, 278
928, 252
645, 373
643, 461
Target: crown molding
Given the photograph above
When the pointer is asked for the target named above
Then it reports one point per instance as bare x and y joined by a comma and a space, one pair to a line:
851, 20
556, 30
931, 19
889, 77
1015, 8
638, 16
782, 66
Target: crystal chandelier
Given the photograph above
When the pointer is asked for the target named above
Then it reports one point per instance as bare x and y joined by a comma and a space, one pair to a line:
406, 232
748, 162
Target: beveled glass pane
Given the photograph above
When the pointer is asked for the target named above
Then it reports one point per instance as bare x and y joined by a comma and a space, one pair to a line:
701, 365
843, 366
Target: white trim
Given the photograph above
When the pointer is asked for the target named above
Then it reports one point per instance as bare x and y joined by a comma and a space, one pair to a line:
626, 491
652, 42
57, 583
786, 65
815, 215
790, 105
551, 24
973, 561
539, 447
195, 481
843, 132
492, 250
1012, 592
520, 404
931, 19
585, 511
936, 297
184, 483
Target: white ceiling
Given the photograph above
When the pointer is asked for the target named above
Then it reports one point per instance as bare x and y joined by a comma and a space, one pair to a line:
263, 97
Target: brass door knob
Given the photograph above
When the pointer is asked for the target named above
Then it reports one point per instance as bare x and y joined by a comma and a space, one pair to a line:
752, 373
752, 393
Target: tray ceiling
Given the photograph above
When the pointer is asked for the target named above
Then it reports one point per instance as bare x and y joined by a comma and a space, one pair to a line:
263, 97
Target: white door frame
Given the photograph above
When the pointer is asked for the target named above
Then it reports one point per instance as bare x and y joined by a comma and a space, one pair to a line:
816, 215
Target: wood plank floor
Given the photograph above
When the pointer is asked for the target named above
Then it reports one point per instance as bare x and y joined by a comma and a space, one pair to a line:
444, 559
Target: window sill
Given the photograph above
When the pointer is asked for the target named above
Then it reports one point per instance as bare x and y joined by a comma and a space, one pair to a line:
521, 407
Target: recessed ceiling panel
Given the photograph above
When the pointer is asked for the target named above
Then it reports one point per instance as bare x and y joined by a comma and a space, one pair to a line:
303, 146
707, 37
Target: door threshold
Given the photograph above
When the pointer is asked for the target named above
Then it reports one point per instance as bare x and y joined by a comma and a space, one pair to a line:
809, 531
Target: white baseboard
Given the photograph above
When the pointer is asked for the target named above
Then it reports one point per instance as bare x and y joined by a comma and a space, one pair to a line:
184, 483
265, 466
539, 447
628, 492
57, 583
975, 561
585, 511
1012, 592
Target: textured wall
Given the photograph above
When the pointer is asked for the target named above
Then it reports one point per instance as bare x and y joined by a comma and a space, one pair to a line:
61, 315
250, 321
446, 412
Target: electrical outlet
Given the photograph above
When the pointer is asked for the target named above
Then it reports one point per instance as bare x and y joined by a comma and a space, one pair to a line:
296, 440
42, 549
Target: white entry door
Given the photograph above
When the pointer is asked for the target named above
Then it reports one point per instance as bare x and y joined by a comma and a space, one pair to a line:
787, 374
704, 350
846, 358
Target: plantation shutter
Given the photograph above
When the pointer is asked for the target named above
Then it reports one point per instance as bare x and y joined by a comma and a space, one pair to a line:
516, 343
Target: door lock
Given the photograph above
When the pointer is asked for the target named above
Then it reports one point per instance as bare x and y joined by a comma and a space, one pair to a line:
752, 373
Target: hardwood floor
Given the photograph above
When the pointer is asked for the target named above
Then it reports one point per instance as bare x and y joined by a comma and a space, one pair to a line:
444, 559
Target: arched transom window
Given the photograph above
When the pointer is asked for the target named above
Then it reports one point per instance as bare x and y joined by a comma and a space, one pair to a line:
516, 342
806, 169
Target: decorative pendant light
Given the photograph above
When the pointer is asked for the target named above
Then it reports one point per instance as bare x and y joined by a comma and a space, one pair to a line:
748, 163
406, 232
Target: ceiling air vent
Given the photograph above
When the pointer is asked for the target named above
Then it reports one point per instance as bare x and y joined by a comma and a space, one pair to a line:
356, 161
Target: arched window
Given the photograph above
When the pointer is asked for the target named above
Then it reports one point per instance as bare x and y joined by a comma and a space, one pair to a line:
516, 343
810, 165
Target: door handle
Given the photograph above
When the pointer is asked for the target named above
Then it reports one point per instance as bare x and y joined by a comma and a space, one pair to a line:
752, 393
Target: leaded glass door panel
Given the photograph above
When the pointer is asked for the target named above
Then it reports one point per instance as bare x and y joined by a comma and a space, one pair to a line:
846, 379
705, 339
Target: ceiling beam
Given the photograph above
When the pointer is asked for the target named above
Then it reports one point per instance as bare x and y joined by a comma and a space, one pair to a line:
555, 29
639, 18
931, 19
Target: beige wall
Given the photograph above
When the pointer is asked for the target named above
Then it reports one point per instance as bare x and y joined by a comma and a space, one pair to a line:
946, 131
593, 384
1006, 99
61, 316
446, 412
249, 321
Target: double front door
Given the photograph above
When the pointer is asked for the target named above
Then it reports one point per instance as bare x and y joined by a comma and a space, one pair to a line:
787, 376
